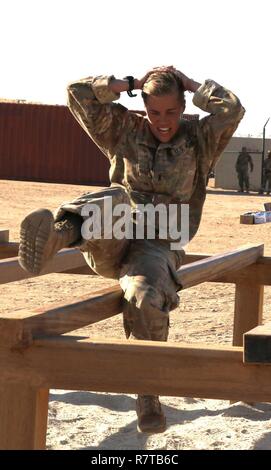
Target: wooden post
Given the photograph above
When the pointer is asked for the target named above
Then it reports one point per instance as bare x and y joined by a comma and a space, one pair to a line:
248, 309
4, 236
23, 417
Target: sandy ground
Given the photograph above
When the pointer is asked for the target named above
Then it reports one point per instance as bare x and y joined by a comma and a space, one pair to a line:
86, 420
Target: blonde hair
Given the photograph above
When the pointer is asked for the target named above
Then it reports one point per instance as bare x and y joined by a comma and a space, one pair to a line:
162, 83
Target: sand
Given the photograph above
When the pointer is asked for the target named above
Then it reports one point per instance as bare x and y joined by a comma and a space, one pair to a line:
87, 420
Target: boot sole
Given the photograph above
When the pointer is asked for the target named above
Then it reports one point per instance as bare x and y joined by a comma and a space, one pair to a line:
153, 430
35, 233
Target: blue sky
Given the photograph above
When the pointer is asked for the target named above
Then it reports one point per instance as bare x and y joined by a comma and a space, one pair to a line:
46, 44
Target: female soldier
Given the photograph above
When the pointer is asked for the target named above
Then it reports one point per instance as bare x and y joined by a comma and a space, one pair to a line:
156, 159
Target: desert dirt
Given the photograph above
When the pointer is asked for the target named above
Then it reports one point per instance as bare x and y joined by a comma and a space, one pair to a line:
87, 420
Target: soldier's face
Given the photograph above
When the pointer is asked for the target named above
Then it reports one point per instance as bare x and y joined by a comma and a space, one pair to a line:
164, 115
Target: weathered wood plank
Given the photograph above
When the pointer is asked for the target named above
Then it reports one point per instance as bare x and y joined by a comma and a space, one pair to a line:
64, 318
9, 250
19, 327
23, 417
142, 367
248, 310
258, 272
218, 265
257, 345
4, 236
10, 270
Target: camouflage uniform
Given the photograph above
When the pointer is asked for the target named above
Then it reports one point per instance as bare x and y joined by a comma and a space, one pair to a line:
241, 166
266, 175
144, 170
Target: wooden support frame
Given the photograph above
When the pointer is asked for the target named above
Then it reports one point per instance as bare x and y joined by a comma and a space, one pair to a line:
24, 413
35, 354
248, 309
4, 236
147, 367
106, 303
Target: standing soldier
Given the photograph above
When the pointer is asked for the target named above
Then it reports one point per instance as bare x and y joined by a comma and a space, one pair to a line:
157, 159
241, 166
266, 175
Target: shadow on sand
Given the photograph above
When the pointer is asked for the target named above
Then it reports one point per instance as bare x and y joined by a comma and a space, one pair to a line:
127, 436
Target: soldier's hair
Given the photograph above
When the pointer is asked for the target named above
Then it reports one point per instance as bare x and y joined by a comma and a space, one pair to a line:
162, 83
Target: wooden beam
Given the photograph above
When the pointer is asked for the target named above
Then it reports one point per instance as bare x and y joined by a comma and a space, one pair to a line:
248, 310
218, 265
18, 328
8, 250
10, 270
257, 345
189, 258
101, 305
4, 236
144, 367
259, 271
23, 417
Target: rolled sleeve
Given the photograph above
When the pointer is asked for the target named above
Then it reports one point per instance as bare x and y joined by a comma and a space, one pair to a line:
204, 92
224, 114
217, 100
101, 90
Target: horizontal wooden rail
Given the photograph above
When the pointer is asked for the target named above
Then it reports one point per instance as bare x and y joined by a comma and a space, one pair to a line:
73, 363
18, 328
70, 258
259, 272
71, 261
4, 236
9, 250
218, 265
98, 306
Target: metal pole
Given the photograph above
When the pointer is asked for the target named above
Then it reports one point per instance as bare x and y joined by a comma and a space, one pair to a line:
263, 152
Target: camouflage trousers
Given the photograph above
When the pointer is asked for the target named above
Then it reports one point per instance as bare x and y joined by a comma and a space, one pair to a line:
146, 269
266, 186
243, 179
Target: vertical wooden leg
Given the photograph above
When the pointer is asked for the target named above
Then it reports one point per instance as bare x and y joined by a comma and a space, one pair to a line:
4, 236
248, 310
23, 417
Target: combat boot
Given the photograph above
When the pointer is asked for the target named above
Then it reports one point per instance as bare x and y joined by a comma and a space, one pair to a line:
41, 238
151, 418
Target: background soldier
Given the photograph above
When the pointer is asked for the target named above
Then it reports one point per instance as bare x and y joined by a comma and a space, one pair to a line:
241, 166
266, 175
157, 159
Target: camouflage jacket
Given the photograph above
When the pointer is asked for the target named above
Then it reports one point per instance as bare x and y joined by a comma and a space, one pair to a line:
242, 162
173, 172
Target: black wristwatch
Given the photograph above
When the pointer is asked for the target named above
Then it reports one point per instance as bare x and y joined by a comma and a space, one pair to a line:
131, 81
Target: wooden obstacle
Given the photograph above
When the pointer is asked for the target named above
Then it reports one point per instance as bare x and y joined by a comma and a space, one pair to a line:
35, 355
